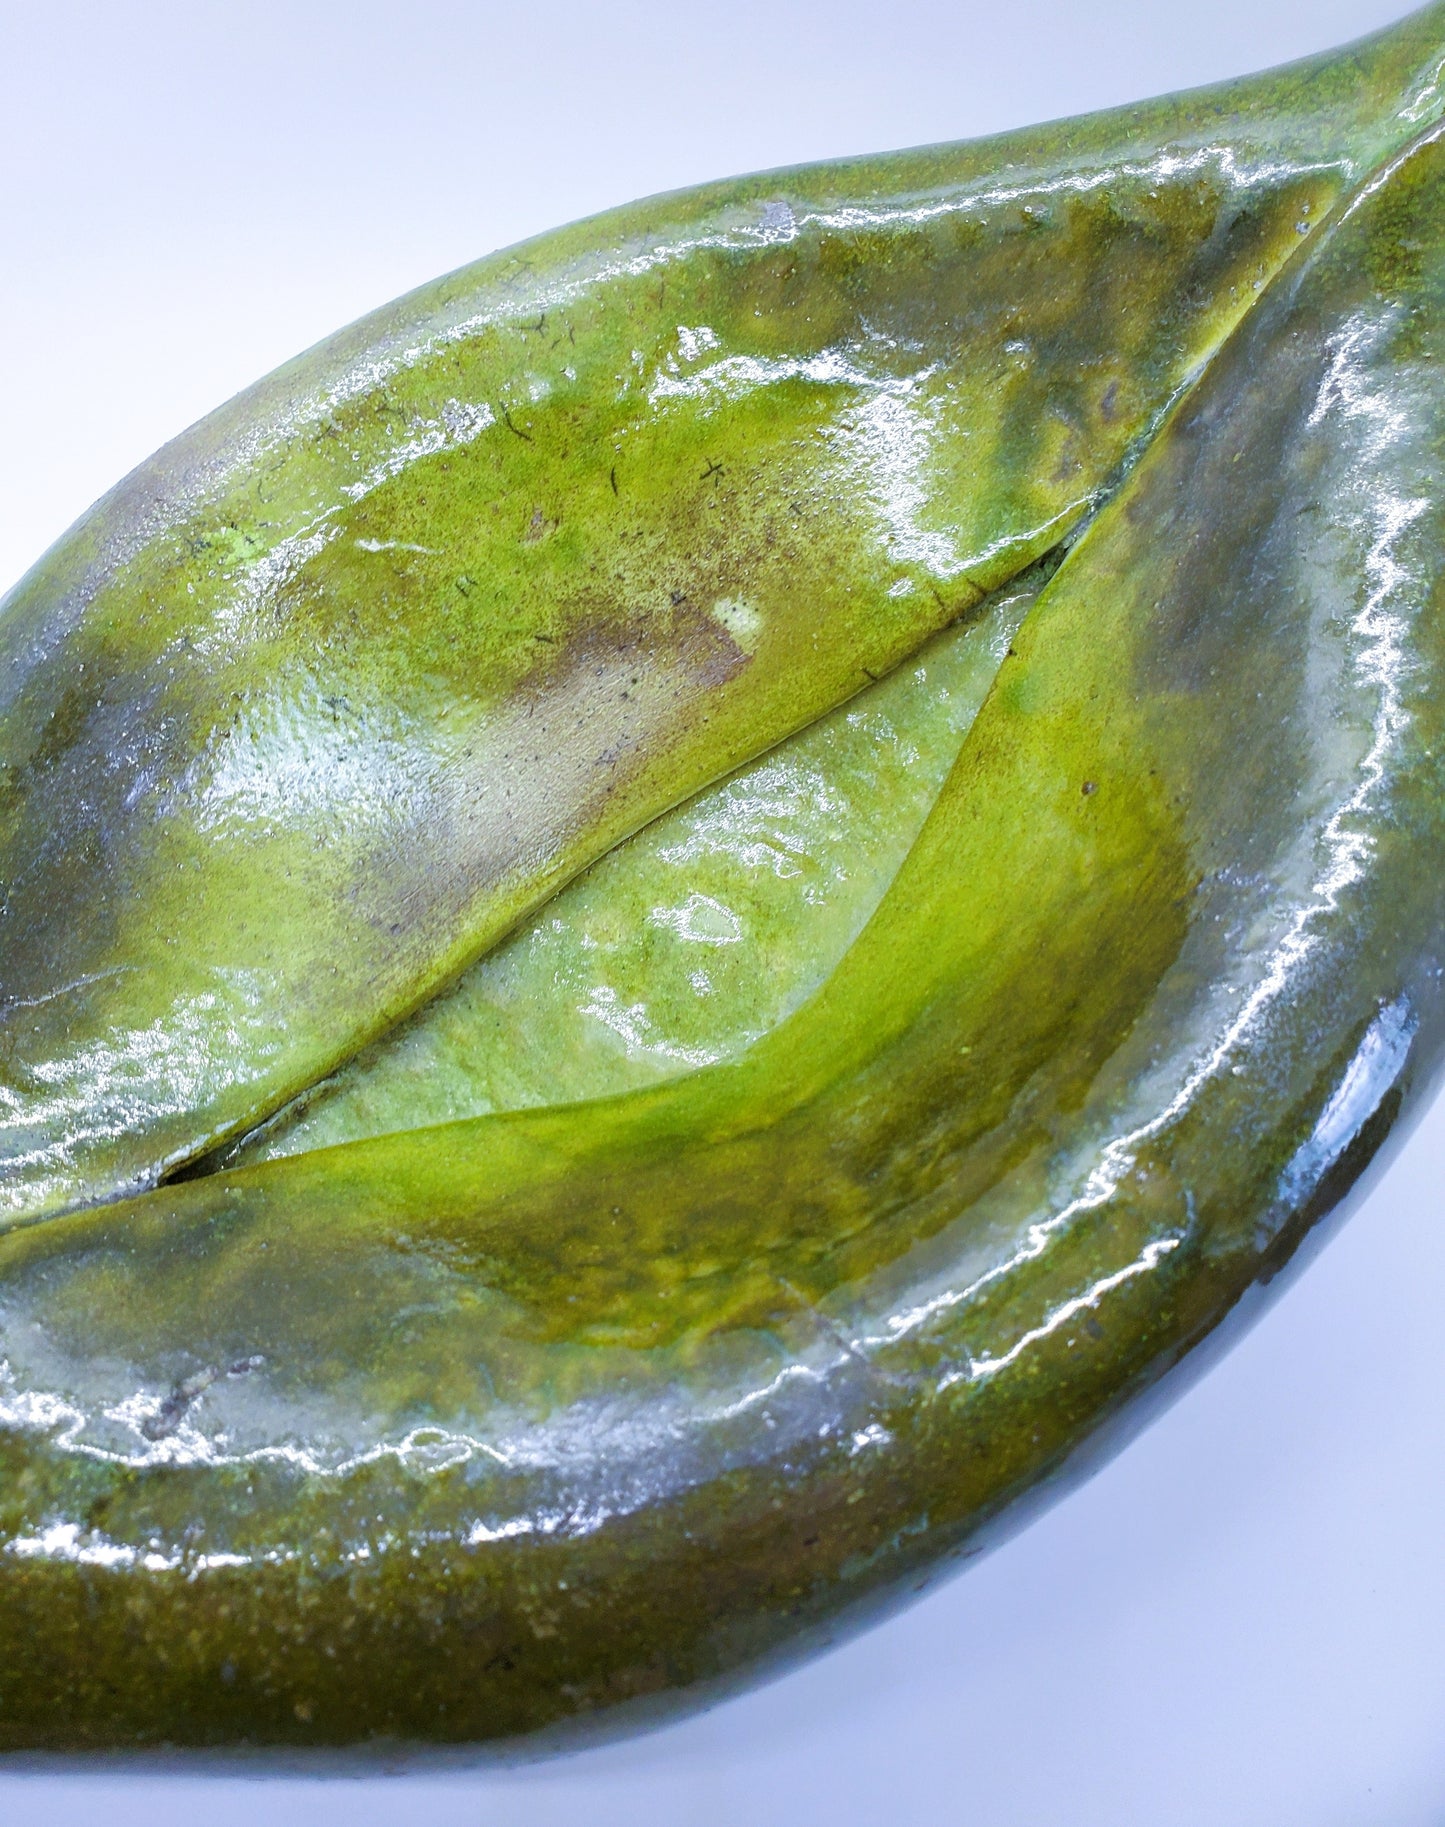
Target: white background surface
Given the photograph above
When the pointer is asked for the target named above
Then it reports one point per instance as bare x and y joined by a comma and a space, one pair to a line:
1242, 1620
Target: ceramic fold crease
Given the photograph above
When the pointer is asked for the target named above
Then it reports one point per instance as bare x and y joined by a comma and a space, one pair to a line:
686, 945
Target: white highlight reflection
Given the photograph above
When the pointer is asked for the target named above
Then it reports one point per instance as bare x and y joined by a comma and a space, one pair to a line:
1382, 517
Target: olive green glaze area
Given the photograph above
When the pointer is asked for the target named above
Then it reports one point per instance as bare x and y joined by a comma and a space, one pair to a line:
347, 681
472, 1430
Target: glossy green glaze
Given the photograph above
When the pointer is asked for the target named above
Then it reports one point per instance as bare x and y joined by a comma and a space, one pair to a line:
472, 1429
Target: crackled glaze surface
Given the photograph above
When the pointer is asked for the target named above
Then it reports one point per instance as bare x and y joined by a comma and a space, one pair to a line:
1107, 955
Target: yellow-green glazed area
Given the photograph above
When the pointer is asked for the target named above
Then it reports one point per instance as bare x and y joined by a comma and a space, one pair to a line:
479, 1427
687, 944
323, 699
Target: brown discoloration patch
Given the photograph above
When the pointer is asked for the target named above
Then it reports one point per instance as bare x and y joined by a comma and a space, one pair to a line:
595, 713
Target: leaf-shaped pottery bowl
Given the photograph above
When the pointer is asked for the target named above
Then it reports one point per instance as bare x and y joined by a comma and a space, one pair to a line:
673, 916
